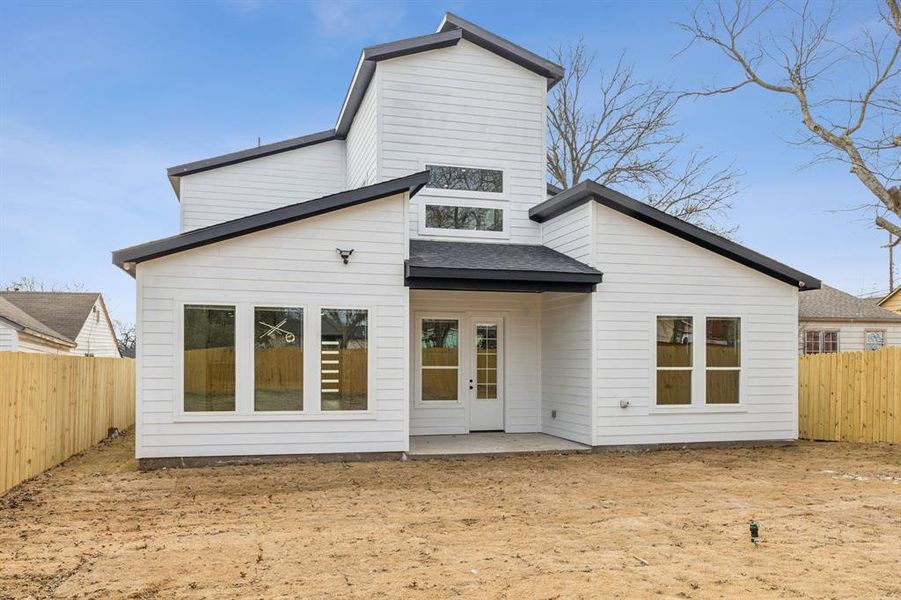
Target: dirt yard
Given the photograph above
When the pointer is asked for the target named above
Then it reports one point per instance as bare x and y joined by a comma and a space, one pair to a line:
661, 524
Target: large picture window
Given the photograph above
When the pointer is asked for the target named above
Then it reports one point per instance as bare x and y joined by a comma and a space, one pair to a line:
674, 360
344, 359
464, 218
440, 358
209, 358
278, 359
723, 360
464, 178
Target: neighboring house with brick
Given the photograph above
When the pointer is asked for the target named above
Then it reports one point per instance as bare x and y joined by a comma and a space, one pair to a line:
56, 323
831, 320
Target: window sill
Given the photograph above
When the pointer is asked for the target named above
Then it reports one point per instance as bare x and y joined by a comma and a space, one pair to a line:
275, 417
705, 409
438, 404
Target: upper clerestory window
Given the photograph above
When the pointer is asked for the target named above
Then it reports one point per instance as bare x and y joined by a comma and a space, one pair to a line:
466, 179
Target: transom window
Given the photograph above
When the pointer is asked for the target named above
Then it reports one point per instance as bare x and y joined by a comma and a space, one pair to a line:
874, 339
819, 342
440, 360
465, 178
464, 218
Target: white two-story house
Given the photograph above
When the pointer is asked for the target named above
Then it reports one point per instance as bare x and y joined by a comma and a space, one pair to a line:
408, 273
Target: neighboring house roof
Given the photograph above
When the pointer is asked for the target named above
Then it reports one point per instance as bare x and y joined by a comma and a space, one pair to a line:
889, 296
266, 220
451, 30
22, 321
591, 190
495, 267
831, 304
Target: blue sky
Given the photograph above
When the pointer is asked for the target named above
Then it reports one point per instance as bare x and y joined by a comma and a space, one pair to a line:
97, 99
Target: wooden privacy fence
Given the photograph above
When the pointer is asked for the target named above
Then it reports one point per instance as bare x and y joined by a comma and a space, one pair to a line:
850, 396
53, 406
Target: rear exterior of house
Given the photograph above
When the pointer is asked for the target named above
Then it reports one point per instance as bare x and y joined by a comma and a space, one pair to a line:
406, 274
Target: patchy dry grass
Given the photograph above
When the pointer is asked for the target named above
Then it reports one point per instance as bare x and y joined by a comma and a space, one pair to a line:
661, 524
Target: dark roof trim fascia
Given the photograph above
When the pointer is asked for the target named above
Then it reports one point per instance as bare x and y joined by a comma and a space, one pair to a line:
373, 54
497, 285
265, 220
503, 47
591, 190
553, 190
232, 158
419, 272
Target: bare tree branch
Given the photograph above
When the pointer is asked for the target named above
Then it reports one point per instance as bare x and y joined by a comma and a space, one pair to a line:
630, 140
867, 137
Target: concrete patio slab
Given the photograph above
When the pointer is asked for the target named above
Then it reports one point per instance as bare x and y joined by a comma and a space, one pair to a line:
490, 444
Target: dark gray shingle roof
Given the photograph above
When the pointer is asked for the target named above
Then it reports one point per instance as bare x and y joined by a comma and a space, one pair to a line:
494, 257
46, 313
830, 304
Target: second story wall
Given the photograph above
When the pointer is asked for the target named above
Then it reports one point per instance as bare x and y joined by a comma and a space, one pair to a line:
262, 184
363, 140
465, 106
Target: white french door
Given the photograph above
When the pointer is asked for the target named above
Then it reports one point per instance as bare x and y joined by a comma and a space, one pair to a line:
486, 376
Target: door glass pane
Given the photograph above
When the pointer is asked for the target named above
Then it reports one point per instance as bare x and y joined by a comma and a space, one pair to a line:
486, 361
209, 359
722, 386
674, 387
344, 359
723, 342
278, 358
674, 339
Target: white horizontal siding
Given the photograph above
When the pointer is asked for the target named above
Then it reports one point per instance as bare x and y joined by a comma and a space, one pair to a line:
522, 358
851, 334
362, 140
96, 338
566, 350
647, 273
469, 107
293, 264
262, 184
29, 343
9, 337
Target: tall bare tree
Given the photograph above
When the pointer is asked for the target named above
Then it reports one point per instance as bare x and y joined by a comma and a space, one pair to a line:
860, 128
32, 284
630, 140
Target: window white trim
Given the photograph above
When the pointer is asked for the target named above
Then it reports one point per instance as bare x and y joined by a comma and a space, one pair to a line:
244, 369
417, 375
370, 360
699, 365
466, 194
504, 233
305, 389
